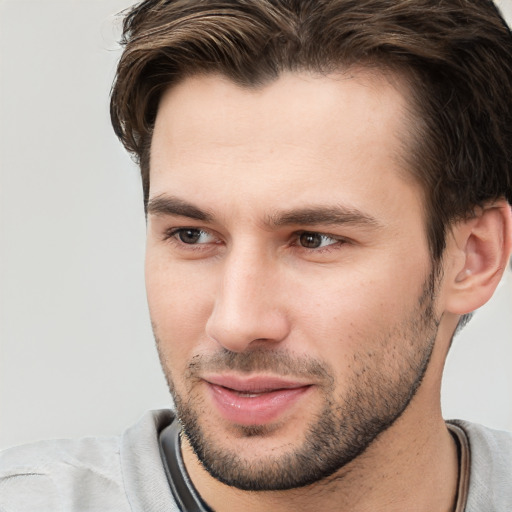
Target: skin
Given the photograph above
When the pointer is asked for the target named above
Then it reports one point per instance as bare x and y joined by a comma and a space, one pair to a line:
231, 164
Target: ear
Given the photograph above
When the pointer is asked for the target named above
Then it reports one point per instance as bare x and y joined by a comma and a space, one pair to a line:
478, 252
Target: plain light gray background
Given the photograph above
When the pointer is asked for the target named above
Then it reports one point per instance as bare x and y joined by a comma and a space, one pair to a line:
76, 352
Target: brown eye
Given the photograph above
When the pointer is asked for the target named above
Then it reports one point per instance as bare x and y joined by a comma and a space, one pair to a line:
189, 236
311, 240
314, 240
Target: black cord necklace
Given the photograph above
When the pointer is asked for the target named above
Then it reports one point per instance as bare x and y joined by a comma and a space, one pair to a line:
183, 490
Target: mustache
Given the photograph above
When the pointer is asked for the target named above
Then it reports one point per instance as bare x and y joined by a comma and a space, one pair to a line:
259, 360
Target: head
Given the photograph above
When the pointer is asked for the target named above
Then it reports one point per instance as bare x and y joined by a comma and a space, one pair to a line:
267, 297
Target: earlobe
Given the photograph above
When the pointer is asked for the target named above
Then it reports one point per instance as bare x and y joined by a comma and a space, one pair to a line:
480, 249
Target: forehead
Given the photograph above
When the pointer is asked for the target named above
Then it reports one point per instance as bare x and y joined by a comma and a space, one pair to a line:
192, 107
299, 135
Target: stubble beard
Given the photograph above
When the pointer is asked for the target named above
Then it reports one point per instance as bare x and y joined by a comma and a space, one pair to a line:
344, 428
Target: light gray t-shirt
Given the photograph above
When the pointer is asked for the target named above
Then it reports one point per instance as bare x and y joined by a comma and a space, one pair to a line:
125, 474
93, 474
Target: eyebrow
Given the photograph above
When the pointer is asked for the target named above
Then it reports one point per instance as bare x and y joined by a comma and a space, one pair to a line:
314, 215
326, 215
169, 205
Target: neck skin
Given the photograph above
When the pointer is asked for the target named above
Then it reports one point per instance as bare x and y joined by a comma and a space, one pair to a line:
413, 465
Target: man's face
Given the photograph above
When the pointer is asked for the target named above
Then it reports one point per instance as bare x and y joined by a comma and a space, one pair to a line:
288, 275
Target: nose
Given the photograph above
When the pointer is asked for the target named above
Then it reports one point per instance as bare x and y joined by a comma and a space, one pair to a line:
247, 310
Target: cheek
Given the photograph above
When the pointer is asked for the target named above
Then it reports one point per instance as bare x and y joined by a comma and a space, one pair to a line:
346, 317
343, 299
179, 305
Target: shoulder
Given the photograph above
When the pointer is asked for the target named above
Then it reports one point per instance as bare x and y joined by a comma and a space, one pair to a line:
490, 484
83, 474
57, 475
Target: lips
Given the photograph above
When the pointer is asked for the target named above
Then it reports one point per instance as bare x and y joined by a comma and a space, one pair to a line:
255, 400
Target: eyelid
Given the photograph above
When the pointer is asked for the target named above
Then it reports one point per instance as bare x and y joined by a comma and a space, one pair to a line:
337, 242
336, 238
171, 234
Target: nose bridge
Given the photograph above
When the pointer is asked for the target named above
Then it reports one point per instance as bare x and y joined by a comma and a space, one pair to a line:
245, 306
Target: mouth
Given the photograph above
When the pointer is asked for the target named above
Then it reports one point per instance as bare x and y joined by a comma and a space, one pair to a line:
254, 400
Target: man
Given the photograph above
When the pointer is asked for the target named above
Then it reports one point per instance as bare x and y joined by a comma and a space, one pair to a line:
328, 188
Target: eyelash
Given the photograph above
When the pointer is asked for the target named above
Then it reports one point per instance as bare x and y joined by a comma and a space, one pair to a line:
337, 241
171, 236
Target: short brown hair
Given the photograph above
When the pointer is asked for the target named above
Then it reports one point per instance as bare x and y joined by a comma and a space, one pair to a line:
455, 54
